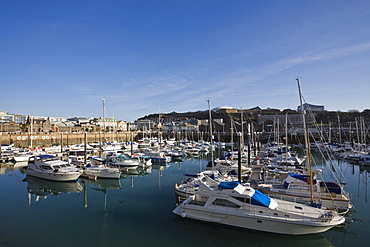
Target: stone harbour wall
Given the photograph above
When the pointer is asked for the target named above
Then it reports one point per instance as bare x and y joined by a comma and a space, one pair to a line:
49, 139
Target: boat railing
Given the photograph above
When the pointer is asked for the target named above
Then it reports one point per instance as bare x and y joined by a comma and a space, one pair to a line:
327, 216
251, 210
285, 215
296, 199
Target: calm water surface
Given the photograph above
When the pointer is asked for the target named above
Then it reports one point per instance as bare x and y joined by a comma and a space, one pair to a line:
136, 210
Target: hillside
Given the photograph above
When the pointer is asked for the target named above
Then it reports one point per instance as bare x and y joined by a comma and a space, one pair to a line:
324, 117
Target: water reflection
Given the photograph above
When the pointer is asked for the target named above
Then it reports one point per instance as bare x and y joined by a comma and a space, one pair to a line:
115, 208
40, 188
139, 171
209, 234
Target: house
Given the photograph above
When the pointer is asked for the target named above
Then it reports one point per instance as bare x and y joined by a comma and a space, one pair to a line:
37, 125
310, 107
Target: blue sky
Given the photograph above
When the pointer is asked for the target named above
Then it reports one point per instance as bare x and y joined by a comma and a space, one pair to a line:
60, 58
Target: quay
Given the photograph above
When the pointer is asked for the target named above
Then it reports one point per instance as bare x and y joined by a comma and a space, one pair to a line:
23, 140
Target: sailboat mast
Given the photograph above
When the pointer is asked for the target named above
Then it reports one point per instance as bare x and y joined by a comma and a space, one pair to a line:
242, 125
286, 137
31, 129
159, 126
306, 136
303, 113
210, 131
104, 119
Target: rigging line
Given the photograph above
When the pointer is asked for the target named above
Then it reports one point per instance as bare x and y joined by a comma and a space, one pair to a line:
333, 168
292, 94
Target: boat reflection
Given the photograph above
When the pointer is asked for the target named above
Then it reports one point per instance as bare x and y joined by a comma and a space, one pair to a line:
206, 234
41, 188
101, 184
139, 171
160, 167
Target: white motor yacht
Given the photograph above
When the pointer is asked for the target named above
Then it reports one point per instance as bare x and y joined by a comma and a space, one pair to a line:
233, 204
50, 167
101, 171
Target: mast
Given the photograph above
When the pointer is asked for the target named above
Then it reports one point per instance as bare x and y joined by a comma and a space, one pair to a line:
159, 126
358, 139
232, 132
242, 125
339, 130
31, 127
210, 132
240, 138
104, 119
286, 137
310, 168
303, 114
249, 145
307, 148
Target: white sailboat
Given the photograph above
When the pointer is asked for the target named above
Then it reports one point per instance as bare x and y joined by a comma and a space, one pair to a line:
305, 187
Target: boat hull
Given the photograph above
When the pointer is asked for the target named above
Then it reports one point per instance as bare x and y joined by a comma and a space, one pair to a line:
102, 173
54, 176
253, 221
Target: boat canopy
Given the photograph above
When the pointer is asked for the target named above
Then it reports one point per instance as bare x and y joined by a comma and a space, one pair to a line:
299, 176
258, 197
261, 199
302, 177
45, 156
228, 185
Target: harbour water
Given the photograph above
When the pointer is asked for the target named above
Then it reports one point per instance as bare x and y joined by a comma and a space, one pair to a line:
136, 210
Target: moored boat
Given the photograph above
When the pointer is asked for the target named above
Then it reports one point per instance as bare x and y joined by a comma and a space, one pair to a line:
101, 171
231, 203
298, 187
50, 167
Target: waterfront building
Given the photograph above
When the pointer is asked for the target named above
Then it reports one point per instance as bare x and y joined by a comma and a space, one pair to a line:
9, 127
16, 118
310, 107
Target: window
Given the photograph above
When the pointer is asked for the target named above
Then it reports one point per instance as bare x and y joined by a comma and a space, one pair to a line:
46, 167
225, 203
294, 187
243, 199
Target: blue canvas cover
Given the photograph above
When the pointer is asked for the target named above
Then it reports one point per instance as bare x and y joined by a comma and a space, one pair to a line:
298, 176
228, 185
46, 156
305, 178
260, 199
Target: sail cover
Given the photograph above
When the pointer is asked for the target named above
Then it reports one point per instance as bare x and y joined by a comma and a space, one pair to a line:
298, 176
